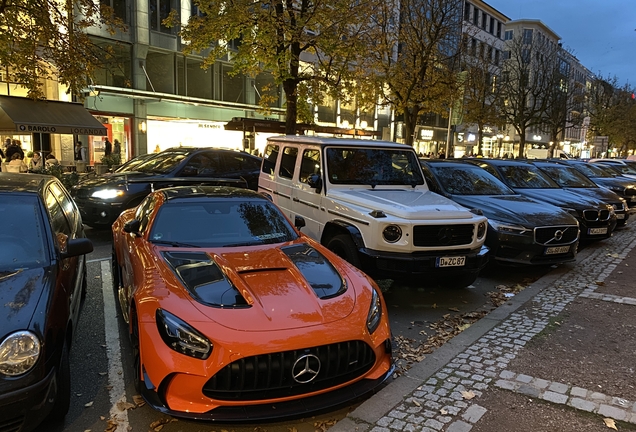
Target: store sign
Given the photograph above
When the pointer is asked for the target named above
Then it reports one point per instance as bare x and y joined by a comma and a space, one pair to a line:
60, 129
426, 134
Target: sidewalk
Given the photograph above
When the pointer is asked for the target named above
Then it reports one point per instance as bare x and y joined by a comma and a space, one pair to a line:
559, 356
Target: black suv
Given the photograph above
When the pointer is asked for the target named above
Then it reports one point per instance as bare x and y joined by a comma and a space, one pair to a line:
102, 198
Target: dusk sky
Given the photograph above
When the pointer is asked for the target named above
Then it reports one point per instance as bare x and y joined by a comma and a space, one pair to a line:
600, 33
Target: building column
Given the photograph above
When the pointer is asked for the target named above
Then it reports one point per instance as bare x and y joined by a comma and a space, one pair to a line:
140, 127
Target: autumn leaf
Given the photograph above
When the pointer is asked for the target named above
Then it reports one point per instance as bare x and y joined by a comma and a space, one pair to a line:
610, 423
468, 394
600, 283
90, 404
443, 411
454, 309
416, 402
434, 306
139, 401
123, 405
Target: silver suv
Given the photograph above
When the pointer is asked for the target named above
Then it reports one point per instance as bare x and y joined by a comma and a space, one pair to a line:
367, 201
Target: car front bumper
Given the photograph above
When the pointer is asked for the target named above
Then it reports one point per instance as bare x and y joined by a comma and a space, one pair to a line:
25, 408
388, 264
99, 212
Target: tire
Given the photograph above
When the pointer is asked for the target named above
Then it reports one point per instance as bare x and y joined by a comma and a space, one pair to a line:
63, 395
84, 283
460, 281
343, 246
116, 276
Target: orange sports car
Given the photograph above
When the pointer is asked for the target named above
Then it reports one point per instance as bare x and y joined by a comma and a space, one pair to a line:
235, 315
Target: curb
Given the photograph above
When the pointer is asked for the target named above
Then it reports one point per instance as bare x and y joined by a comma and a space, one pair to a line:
377, 406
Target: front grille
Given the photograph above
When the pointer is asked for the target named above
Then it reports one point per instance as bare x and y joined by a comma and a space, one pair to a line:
442, 235
594, 215
11, 425
80, 193
556, 235
270, 376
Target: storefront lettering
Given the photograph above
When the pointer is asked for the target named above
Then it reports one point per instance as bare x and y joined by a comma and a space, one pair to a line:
87, 131
36, 128
209, 126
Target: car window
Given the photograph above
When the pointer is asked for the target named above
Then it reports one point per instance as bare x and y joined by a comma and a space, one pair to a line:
221, 223
309, 165
23, 235
68, 206
144, 211
526, 177
490, 169
160, 163
469, 180
59, 223
568, 177
269, 158
288, 162
204, 164
373, 166
591, 170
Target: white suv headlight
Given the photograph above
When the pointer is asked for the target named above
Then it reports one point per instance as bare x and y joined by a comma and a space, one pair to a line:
18, 353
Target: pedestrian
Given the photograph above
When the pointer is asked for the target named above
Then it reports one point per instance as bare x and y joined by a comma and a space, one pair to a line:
80, 153
12, 148
16, 164
36, 163
116, 147
108, 148
51, 160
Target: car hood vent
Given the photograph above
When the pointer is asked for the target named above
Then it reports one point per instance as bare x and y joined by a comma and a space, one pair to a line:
205, 281
317, 270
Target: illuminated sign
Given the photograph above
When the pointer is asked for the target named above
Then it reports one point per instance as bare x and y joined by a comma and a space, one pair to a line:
426, 134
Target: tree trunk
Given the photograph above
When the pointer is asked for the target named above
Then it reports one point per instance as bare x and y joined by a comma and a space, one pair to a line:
291, 106
410, 121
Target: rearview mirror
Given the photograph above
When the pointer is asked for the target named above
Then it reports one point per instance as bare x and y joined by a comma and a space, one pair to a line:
314, 181
132, 227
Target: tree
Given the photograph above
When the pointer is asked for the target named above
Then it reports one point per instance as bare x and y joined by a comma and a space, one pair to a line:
480, 89
612, 111
309, 47
413, 56
42, 39
564, 97
525, 82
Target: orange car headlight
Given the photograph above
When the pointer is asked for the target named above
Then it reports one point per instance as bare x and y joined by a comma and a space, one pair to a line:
181, 337
375, 313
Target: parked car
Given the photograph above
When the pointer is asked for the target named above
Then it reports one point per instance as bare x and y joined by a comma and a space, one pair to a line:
617, 166
367, 201
570, 179
102, 198
234, 315
520, 229
42, 281
624, 187
596, 219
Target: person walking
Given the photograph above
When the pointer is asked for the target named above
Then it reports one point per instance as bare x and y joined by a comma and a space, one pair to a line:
116, 147
108, 148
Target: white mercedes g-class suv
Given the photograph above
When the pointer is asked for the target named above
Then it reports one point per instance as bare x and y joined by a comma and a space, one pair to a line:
367, 201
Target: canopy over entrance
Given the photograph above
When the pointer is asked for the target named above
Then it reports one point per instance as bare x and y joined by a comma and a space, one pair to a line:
273, 126
24, 115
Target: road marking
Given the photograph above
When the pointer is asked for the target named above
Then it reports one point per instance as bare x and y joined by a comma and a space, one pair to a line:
117, 390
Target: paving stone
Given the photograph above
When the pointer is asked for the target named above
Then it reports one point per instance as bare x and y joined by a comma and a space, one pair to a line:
397, 414
507, 375
524, 378
507, 385
398, 424
582, 404
474, 413
540, 383
529, 390
554, 397
459, 426
598, 396
380, 429
559, 387
578, 392
620, 402
611, 411
433, 424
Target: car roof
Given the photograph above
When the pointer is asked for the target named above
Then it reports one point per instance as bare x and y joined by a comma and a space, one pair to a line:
29, 183
448, 162
500, 162
192, 192
327, 141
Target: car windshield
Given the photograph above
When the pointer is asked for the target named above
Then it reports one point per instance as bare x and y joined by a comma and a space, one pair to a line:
133, 163
220, 222
526, 177
591, 170
22, 238
373, 166
160, 163
568, 177
469, 180
619, 168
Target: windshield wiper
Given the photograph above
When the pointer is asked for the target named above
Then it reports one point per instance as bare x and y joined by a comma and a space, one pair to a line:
174, 243
7, 273
250, 243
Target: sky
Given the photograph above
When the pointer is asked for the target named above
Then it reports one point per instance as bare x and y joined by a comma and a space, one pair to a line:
600, 33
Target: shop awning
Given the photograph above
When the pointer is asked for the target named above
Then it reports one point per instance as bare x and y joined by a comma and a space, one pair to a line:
24, 115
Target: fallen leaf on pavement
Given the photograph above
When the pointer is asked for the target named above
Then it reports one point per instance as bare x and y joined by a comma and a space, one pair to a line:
111, 426
416, 403
454, 309
600, 283
610, 423
434, 306
90, 404
468, 395
139, 401
123, 405
443, 411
